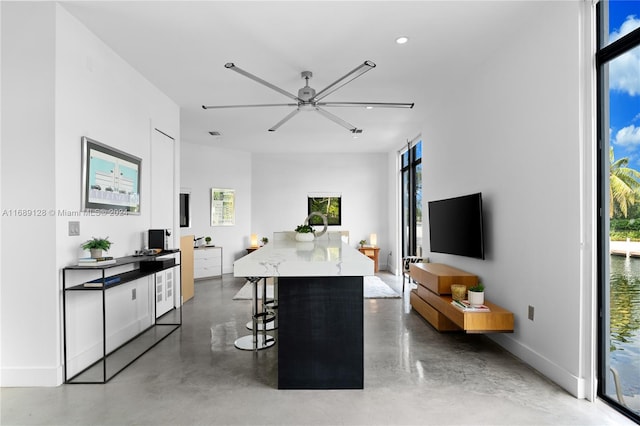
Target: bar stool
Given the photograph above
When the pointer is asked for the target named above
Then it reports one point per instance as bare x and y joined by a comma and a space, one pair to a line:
267, 319
259, 339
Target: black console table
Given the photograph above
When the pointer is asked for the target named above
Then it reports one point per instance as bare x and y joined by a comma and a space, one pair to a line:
114, 361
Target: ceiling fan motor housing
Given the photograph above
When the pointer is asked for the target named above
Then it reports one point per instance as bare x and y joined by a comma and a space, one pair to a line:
306, 93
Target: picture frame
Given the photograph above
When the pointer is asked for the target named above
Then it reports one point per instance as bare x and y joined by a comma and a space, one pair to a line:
223, 209
329, 205
111, 179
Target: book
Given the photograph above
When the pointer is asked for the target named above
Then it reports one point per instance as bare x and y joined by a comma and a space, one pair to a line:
99, 282
97, 263
465, 306
94, 259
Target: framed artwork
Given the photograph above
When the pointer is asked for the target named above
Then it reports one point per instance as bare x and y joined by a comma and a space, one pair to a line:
110, 178
327, 204
223, 209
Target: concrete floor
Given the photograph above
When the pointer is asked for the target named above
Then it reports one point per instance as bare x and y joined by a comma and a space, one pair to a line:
413, 376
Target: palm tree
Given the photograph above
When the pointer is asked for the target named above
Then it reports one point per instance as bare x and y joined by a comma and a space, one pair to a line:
624, 184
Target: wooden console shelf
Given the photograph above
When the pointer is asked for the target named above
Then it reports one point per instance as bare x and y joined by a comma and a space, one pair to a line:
432, 300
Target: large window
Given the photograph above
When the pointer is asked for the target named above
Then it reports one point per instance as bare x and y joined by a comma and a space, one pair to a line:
618, 62
411, 190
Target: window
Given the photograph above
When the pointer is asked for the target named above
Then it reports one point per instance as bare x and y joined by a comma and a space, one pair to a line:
411, 196
618, 62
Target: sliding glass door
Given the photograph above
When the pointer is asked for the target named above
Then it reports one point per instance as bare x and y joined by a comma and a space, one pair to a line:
618, 62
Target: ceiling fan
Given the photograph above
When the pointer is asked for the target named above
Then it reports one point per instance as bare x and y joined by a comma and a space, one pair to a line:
309, 100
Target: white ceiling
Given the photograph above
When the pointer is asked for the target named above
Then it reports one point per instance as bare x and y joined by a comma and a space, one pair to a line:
181, 47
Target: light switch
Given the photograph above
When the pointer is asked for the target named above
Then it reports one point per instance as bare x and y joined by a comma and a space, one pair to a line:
74, 228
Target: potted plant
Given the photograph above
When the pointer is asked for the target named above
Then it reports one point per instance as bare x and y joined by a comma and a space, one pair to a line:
362, 243
264, 240
476, 295
304, 233
96, 245
207, 240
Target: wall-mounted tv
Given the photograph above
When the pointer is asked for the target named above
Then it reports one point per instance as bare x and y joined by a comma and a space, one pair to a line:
456, 226
110, 179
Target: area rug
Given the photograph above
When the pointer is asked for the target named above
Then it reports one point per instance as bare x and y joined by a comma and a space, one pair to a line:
374, 288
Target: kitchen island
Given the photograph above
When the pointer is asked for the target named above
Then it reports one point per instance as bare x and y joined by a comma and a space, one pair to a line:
320, 310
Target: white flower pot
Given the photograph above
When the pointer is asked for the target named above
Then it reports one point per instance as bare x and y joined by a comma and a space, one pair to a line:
476, 298
96, 253
304, 236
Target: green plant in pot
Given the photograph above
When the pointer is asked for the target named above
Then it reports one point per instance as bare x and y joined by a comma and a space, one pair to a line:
264, 240
207, 240
96, 246
304, 233
476, 295
362, 243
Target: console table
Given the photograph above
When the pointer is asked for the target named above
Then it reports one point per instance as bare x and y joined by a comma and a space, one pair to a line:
372, 253
432, 300
163, 300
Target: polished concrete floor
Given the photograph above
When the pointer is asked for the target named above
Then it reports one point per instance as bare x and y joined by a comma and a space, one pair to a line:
413, 376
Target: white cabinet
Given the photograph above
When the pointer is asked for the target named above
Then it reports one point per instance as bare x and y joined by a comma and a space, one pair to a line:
207, 262
166, 283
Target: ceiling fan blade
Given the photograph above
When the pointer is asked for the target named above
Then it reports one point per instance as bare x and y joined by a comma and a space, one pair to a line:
231, 66
340, 121
367, 104
284, 120
245, 106
350, 76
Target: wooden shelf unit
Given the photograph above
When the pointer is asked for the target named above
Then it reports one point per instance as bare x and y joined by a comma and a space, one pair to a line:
432, 300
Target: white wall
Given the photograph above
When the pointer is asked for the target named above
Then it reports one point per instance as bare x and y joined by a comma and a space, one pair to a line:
29, 295
271, 194
281, 183
204, 168
512, 131
65, 84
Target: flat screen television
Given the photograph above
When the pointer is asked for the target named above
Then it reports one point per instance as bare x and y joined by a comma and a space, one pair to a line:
456, 227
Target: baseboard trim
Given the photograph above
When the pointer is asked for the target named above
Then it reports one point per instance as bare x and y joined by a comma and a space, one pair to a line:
569, 382
31, 377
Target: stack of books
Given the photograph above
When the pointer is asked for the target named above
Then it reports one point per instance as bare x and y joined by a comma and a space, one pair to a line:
96, 261
465, 306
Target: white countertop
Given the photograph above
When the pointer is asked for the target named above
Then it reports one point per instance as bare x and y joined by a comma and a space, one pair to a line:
289, 258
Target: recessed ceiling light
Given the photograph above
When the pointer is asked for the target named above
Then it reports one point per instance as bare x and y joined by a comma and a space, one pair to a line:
369, 107
402, 40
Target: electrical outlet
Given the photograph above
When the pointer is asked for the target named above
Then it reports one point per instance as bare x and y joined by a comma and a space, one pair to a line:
74, 228
530, 312
133, 294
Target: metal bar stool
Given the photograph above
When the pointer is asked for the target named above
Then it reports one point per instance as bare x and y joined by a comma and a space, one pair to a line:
259, 339
267, 317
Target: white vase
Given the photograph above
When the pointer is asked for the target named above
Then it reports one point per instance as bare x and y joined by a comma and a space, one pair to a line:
304, 236
476, 298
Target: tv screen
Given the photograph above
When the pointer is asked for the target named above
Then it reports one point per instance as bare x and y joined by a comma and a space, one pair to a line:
455, 226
